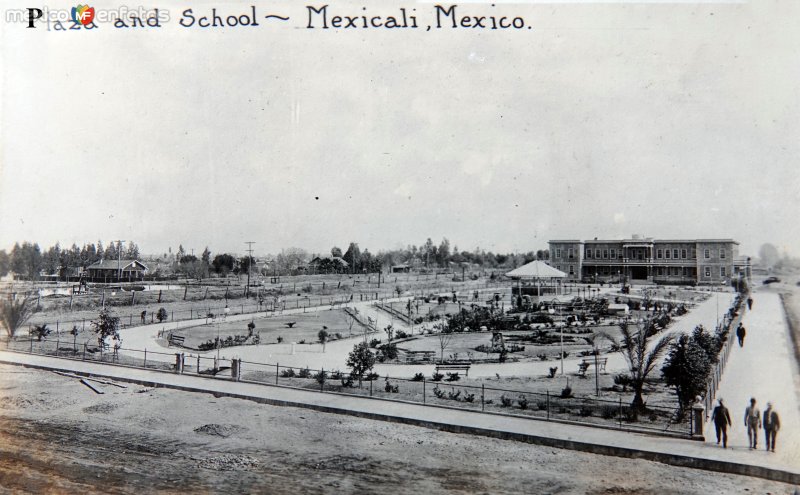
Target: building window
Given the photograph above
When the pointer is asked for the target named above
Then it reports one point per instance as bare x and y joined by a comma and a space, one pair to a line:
694, 253
659, 254
666, 253
675, 253
605, 254
722, 271
660, 271
706, 253
708, 271
588, 254
597, 254
558, 253
722, 254
571, 253
613, 254
571, 270
683, 254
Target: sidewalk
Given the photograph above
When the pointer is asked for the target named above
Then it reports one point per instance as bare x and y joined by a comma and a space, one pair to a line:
764, 368
595, 440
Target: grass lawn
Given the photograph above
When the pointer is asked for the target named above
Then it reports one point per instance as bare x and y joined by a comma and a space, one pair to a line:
306, 327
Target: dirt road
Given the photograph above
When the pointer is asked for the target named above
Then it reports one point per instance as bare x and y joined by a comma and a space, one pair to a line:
57, 436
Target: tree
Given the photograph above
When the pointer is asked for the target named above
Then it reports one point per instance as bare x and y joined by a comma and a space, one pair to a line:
687, 368
360, 360
336, 252
223, 263
640, 356
768, 254
14, 314
322, 335
5, 263
389, 331
444, 342
106, 326
353, 256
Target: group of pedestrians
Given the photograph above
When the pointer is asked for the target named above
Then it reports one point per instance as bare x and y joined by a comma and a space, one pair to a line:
753, 421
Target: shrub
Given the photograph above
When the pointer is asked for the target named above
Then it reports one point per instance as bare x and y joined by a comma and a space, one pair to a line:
399, 334
542, 405
388, 387
566, 392
161, 315
623, 380
469, 397
523, 402
374, 343
347, 380
304, 373
505, 401
454, 395
320, 377
418, 377
336, 375
338, 335
302, 341
437, 377
390, 351
280, 339
609, 412
585, 411
453, 377
552, 372
372, 376
542, 357
438, 393
287, 373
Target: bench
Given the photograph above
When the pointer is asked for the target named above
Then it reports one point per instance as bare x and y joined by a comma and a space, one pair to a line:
176, 340
454, 367
584, 365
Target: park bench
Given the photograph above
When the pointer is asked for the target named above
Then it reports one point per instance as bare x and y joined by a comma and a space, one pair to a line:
453, 367
584, 365
176, 340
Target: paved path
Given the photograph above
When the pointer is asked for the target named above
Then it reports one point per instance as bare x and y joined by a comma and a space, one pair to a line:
765, 368
604, 441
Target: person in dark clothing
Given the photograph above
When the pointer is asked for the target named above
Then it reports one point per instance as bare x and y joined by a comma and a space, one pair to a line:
740, 333
772, 423
749, 303
722, 419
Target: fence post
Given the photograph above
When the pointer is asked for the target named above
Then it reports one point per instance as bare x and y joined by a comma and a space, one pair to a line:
620, 411
322, 380
424, 395
198, 364
483, 392
84, 351
145, 359
548, 405
370, 386
31, 338
277, 372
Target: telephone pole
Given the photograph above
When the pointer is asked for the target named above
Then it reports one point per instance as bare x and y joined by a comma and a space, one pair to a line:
249, 266
119, 260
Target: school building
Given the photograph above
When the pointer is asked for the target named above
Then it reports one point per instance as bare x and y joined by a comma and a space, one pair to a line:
643, 260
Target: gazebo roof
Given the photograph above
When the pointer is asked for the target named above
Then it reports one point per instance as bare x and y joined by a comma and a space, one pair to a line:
536, 269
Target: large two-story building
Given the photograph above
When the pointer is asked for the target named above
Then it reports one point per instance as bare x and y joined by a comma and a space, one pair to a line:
665, 261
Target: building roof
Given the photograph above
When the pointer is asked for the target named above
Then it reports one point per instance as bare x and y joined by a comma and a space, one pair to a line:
115, 264
332, 258
536, 269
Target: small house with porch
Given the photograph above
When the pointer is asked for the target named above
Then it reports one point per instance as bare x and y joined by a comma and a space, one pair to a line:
116, 271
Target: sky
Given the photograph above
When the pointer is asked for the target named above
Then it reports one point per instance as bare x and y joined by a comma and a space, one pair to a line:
668, 120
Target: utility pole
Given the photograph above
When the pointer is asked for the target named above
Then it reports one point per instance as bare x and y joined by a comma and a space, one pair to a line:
119, 260
249, 265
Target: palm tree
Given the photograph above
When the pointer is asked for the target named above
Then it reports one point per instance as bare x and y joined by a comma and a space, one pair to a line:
14, 314
640, 355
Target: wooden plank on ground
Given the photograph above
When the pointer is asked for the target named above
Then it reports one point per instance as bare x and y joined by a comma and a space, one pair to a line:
96, 390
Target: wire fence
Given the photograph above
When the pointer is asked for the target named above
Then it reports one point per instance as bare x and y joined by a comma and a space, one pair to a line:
728, 323
443, 390
147, 315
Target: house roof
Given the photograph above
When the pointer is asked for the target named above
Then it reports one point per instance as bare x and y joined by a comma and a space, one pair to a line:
332, 258
536, 269
115, 264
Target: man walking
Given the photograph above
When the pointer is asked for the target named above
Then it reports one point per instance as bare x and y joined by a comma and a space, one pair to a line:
772, 423
721, 419
752, 421
740, 333
749, 302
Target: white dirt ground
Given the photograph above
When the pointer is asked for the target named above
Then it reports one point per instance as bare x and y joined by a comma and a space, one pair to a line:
57, 436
